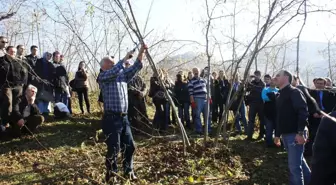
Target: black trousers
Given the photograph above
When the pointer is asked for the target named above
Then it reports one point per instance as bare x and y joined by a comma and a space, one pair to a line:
31, 122
313, 126
137, 111
256, 108
217, 110
11, 97
83, 92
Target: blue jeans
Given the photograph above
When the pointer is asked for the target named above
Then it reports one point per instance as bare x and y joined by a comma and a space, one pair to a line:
298, 167
201, 107
61, 97
43, 107
242, 117
270, 126
117, 130
184, 115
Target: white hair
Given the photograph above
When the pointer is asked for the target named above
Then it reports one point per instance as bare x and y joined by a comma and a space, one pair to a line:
104, 59
31, 87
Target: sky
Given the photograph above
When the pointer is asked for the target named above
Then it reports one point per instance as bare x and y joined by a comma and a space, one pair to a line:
182, 17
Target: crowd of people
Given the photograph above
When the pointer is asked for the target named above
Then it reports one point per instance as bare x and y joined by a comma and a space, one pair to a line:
285, 108
29, 84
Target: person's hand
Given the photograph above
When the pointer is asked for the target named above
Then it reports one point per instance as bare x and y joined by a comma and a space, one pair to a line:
142, 94
277, 141
193, 105
316, 115
129, 55
210, 101
143, 48
20, 123
300, 139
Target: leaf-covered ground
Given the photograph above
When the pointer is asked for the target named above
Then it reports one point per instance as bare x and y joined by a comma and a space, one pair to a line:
75, 155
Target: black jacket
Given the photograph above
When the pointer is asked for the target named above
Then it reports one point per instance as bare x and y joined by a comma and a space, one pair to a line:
292, 111
222, 88
12, 73
181, 92
18, 110
156, 92
270, 107
328, 99
238, 98
324, 153
45, 71
61, 80
32, 60
255, 88
81, 79
135, 87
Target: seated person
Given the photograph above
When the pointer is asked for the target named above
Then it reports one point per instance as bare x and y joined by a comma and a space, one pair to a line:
61, 111
26, 113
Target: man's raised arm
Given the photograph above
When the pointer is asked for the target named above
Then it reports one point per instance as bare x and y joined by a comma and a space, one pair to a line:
131, 71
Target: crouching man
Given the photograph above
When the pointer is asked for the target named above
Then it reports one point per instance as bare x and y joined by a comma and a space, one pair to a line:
26, 113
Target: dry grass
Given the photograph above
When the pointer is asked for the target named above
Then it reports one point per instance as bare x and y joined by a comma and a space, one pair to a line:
75, 156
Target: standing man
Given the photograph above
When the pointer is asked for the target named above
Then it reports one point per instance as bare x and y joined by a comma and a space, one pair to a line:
61, 80
292, 116
198, 93
268, 95
3, 43
20, 52
256, 105
32, 58
115, 125
325, 100
12, 79
267, 80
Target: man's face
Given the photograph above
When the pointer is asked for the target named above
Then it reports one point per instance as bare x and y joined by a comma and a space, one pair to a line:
320, 84
190, 75
31, 93
257, 77
272, 82
214, 75
280, 79
195, 72
108, 64
328, 83
221, 73
267, 80
21, 50
3, 43
33, 51
57, 58
12, 52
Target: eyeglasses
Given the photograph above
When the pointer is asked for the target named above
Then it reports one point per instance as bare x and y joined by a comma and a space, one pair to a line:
4, 42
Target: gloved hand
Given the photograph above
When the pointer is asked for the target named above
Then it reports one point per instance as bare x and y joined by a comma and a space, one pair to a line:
193, 105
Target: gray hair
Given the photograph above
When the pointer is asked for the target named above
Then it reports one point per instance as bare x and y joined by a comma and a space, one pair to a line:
31, 87
104, 59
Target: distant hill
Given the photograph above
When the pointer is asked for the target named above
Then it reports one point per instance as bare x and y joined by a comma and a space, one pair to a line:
311, 60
